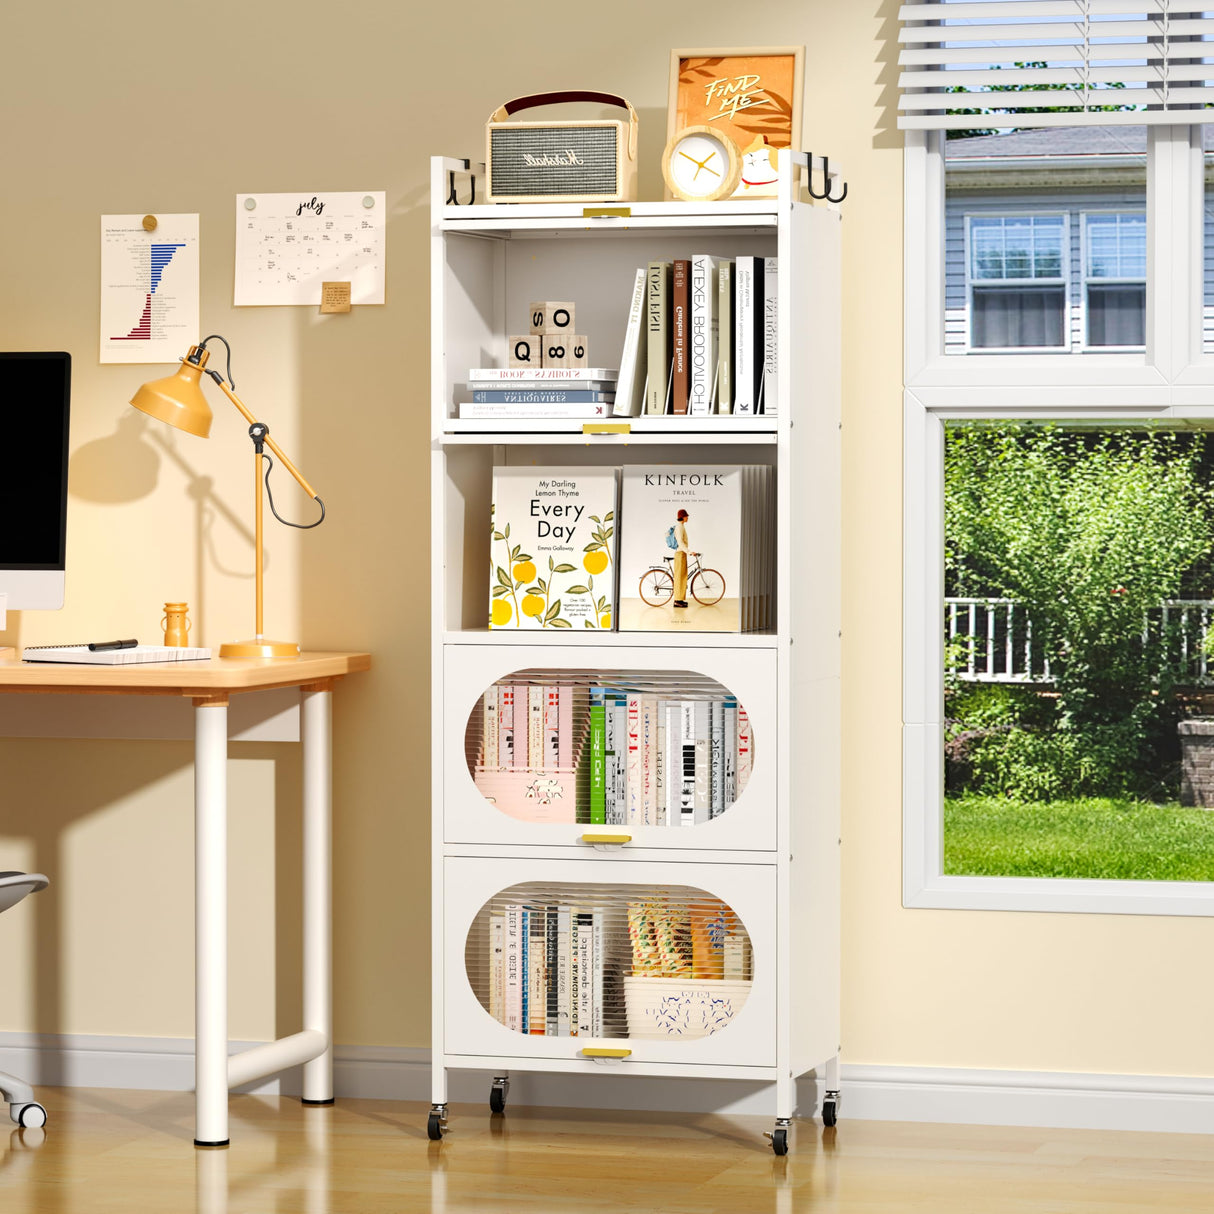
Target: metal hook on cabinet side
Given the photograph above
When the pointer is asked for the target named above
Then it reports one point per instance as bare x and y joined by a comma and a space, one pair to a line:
452, 196
809, 184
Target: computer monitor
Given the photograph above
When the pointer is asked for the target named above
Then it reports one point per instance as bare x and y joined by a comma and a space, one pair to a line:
35, 397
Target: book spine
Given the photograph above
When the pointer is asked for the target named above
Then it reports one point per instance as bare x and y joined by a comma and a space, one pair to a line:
552, 963
674, 764
540, 396
564, 967
744, 749
537, 999
618, 707
657, 278
687, 744
631, 386
490, 739
716, 744
497, 967
743, 327
575, 974
598, 803
527, 375
771, 345
585, 948
480, 411
596, 1014
734, 958
725, 335
514, 962
659, 767
680, 319
612, 741
524, 971
730, 748
505, 716
703, 761
635, 786
564, 726
535, 727
703, 334
648, 759
758, 295
552, 728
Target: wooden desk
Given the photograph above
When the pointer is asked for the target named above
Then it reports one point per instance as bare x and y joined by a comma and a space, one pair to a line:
209, 685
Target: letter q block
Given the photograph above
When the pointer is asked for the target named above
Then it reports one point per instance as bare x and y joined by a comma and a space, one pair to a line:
525, 350
551, 316
562, 350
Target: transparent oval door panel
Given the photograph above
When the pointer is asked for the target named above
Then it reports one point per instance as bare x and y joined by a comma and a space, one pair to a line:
660, 748
644, 962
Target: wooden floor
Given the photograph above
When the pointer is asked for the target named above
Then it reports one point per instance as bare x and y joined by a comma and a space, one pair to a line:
131, 1152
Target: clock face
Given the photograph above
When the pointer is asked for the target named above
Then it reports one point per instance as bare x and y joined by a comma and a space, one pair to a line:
699, 165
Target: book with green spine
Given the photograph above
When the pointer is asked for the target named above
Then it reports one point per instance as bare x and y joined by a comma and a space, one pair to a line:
598, 757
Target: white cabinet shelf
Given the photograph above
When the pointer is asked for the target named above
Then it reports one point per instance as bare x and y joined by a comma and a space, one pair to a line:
772, 856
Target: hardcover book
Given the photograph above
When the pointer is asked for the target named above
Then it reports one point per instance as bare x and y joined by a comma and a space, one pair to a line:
552, 554
703, 337
725, 337
633, 363
657, 321
680, 318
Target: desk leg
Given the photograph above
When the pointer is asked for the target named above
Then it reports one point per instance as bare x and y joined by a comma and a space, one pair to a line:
318, 888
211, 923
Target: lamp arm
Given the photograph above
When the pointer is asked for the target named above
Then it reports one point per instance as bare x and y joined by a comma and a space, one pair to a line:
269, 442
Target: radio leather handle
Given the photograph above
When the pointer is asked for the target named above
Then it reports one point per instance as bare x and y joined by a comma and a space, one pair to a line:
561, 98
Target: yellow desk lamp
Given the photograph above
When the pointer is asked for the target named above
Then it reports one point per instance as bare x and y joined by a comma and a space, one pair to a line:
179, 400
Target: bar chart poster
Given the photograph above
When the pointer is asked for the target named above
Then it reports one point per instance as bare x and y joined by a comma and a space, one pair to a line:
149, 288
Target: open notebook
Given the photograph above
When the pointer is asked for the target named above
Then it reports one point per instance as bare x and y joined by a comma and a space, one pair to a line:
113, 657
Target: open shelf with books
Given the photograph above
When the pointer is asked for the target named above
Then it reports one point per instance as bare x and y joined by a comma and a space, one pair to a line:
683, 568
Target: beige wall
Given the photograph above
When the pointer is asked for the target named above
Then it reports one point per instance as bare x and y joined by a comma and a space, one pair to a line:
126, 108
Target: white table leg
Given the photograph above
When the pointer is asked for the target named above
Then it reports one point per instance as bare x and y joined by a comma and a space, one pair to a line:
211, 922
318, 887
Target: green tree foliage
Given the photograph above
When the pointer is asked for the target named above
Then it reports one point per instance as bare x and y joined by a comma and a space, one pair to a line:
1090, 532
995, 108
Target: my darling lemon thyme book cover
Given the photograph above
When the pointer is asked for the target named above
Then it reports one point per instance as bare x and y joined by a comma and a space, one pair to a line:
552, 553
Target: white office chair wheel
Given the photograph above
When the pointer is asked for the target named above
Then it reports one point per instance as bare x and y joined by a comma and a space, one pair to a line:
30, 1116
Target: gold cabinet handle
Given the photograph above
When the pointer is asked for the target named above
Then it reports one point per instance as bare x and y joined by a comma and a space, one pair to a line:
603, 1051
599, 839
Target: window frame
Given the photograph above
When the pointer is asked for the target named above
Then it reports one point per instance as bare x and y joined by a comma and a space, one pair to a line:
1087, 279
1168, 380
1062, 281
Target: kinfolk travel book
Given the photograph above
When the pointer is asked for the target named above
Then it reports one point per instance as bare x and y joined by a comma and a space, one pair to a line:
552, 549
691, 547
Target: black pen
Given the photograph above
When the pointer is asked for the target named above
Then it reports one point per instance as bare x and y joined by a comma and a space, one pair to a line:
102, 646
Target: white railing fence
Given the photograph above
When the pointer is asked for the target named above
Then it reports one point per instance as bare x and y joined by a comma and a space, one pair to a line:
990, 640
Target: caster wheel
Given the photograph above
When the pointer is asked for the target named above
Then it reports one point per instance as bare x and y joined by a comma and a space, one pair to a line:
434, 1127
830, 1112
779, 1142
32, 1116
497, 1100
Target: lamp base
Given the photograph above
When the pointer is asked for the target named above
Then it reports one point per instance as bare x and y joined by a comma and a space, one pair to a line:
259, 648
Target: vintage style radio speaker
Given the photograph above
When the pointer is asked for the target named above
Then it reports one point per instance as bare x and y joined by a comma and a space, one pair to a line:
591, 161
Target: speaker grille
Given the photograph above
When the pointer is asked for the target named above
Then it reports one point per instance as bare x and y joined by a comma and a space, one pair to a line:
583, 160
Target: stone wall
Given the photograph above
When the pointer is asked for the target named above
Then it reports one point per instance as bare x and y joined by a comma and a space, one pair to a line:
1197, 762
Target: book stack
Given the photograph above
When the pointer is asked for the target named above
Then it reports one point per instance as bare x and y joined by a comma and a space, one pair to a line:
546, 969
526, 755
510, 393
701, 339
657, 761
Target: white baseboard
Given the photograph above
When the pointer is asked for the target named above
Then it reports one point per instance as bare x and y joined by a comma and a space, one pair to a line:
881, 1093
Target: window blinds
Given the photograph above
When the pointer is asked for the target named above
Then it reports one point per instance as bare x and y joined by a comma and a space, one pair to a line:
1150, 59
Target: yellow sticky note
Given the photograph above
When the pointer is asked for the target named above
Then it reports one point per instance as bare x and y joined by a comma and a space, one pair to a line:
335, 297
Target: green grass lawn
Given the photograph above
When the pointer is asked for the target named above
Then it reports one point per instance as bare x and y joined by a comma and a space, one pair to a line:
1093, 837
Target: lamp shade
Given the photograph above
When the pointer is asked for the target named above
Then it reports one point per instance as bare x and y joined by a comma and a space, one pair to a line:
177, 399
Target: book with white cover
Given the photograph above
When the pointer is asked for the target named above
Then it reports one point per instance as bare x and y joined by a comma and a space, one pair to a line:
552, 555
652, 496
657, 322
137, 655
703, 337
630, 388
497, 967
547, 377
771, 343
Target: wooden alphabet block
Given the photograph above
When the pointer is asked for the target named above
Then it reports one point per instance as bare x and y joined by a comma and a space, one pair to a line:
525, 350
549, 316
564, 351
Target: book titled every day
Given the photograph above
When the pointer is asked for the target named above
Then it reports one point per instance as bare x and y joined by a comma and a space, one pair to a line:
137, 656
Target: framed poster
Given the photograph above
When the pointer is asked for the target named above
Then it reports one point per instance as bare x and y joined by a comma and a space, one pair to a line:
751, 94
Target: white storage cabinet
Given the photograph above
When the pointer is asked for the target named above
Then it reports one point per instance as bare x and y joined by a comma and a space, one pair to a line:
772, 857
